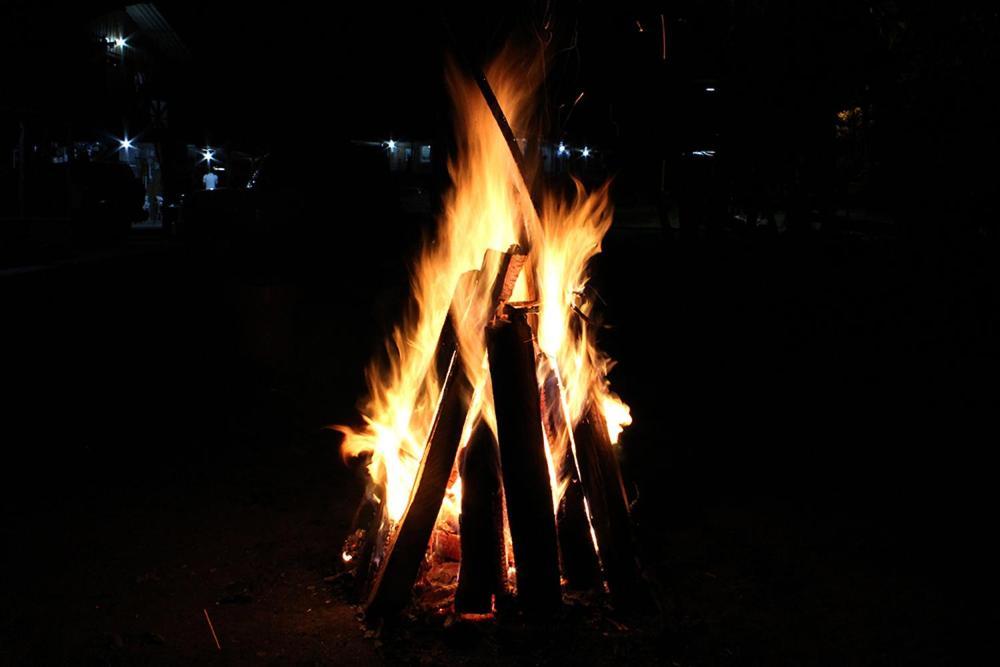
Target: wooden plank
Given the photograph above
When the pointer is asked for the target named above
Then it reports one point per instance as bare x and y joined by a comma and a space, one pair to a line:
577, 554
579, 560
527, 489
400, 565
394, 583
484, 563
605, 492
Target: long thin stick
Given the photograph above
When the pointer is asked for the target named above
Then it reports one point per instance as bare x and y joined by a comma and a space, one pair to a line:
212, 628
476, 72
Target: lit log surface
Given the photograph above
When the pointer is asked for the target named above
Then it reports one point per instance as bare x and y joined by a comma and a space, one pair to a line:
481, 525
527, 489
605, 491
576, 545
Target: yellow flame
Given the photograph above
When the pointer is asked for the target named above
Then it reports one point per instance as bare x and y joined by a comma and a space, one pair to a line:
485, 209
616, 414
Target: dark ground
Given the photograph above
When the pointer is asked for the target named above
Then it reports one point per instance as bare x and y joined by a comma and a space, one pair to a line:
808, 449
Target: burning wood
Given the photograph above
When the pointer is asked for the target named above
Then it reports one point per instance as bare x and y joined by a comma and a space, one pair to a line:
482, 576
406, 551
576, 541
608, 503
496, 369
523, 459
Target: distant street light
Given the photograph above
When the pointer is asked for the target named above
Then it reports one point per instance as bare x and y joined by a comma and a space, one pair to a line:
586, 151
562, 150
126, 144
391, 145
120, 42
207, 155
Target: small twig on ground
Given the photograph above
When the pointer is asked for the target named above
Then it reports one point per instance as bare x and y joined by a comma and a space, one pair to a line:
212, 628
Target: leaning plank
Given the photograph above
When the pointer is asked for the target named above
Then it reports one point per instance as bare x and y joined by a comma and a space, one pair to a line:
576, 545
394, 582
527, 489
577, 552
605, 492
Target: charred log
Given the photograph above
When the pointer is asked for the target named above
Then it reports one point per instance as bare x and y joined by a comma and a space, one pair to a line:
394, 583
605, 492
368, 525
482, 574
576, 545
580, 565
400, 566
527, 488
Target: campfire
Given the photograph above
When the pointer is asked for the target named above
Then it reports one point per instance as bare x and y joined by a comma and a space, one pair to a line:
490, 429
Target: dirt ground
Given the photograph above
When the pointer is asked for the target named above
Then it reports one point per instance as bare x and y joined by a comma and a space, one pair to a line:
168, 462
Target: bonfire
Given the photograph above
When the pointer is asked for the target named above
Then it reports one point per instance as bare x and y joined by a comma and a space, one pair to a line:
490, 427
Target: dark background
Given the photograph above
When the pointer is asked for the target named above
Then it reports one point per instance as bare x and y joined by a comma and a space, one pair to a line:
813, 407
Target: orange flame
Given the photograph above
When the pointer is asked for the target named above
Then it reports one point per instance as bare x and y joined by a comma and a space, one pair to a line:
485, 209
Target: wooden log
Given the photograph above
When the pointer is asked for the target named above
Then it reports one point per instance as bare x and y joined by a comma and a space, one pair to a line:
398, 571
605, 492
527, 488
579, 560
484, 563
577, 554
408, 546
369, 518
447, 342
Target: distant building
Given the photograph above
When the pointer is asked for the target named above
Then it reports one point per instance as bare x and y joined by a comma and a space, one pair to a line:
94, 91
